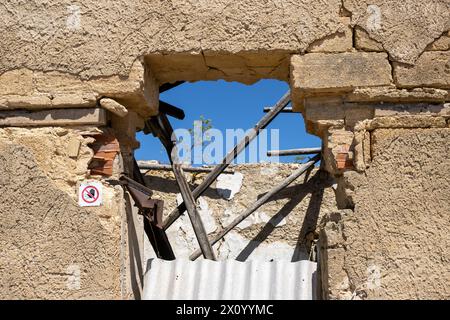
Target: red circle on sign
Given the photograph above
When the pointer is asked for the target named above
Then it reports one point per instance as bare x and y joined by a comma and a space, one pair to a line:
95, 198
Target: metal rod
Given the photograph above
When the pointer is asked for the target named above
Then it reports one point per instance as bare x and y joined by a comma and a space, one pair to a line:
260, 202
212, 176
285, 110
165, 167
191, 207
293, 152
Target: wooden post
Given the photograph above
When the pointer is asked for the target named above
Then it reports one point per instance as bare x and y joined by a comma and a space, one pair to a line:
194, 216
260, 202
212, 176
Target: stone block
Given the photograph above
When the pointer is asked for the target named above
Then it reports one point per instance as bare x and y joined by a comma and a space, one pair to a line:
341, 41
440, 44
432, 69
364, 42
340, 72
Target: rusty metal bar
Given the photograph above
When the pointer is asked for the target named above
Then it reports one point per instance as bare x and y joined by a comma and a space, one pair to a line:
152, 211
300, 171
212, 176
293, 152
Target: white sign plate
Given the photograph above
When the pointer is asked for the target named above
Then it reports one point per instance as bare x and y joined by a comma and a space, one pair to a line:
90, 194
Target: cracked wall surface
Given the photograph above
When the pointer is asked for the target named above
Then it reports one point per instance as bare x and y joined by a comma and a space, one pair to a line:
103, 38
395, 243
394, 24
52, 248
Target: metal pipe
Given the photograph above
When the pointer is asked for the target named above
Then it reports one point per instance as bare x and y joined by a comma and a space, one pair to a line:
260, 202
285, 110
212, 176
293, 152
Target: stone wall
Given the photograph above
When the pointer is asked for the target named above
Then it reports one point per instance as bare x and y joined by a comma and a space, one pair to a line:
370, 78
395, 243
51, 247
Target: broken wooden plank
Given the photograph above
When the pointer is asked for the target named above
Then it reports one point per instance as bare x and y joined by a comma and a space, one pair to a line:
169, 86
300, 171
171, 110
53, 117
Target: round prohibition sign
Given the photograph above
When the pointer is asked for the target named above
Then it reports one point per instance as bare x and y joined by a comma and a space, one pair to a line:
90, 194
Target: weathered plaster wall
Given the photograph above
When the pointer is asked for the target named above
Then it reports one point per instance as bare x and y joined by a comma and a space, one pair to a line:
61, 54
282, 229
395, 244
52, 248
104, 38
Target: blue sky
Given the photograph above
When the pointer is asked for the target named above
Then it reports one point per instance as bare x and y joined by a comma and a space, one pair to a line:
230, 105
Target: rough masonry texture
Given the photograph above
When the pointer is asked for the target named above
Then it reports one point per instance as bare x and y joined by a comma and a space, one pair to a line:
370, 78
394, 245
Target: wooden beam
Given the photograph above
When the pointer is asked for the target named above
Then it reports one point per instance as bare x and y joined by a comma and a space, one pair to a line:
171, 110
164, 131
300, 171
194, 216
169, 86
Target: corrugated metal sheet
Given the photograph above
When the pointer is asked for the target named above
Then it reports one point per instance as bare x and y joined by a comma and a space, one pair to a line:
229, 280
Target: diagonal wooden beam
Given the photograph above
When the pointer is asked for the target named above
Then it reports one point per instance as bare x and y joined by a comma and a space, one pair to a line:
191, 207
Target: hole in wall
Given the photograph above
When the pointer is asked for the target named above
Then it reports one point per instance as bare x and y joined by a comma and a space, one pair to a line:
233, 106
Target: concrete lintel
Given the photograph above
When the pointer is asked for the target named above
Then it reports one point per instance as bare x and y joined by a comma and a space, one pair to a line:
53, 117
